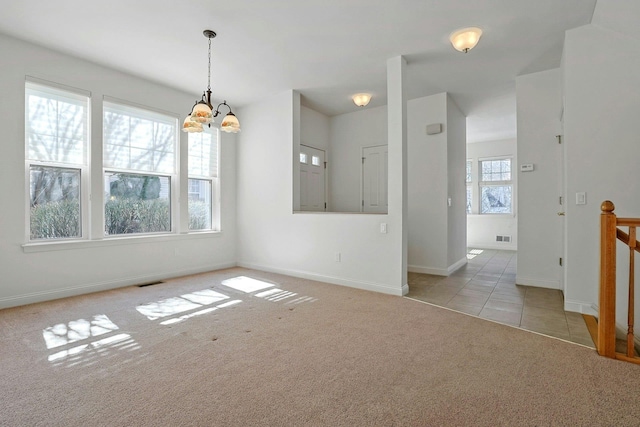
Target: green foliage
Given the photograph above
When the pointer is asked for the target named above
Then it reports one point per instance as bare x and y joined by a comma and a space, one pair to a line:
55, 220
131, 186
199, 215
61, 219
126, 216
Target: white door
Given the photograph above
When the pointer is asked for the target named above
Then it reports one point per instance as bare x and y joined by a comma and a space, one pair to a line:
312, 179
374, 179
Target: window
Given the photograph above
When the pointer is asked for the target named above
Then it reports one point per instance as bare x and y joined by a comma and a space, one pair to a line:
469, 189
56, 133
203, 174
303, 158
495, 186
139, 169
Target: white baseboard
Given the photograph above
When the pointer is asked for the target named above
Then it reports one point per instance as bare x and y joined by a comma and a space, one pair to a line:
438, 271
540, 283
34, 297
428, 270
457, 265
583, 307
497, 246
368, 286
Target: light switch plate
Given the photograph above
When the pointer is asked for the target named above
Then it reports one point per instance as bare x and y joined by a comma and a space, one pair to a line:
581, 198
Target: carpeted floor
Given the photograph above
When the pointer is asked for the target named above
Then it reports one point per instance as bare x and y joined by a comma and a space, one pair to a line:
219, 350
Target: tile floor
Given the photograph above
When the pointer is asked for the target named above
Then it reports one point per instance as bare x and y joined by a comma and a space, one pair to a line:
486, 287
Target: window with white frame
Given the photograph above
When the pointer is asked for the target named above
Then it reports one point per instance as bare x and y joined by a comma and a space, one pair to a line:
203, 179
495, 186
139, 162
469, 189
56, 134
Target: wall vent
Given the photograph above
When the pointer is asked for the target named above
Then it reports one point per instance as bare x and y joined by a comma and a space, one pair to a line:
504, 239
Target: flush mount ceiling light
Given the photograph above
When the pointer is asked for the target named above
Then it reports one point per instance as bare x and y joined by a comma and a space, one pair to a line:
361, 99
202, 111
465, 39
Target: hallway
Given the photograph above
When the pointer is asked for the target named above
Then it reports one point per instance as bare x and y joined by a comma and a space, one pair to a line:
486, 287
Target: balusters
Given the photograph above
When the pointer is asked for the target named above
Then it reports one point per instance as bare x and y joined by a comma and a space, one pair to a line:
631, 306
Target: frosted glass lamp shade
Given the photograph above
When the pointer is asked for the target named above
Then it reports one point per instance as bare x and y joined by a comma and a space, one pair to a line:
465, 39
361, 99
230, 124
201, 113
190, 126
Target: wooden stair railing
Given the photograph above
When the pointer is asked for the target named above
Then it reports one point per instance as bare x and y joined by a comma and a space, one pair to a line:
609, 234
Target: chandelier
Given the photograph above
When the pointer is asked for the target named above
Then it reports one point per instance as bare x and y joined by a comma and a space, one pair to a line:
202, 112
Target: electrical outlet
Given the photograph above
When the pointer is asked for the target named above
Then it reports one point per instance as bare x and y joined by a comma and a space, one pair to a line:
338, 257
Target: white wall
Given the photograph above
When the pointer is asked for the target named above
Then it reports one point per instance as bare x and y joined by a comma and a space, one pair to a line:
428, 187
82, 267
540, 229
482, 229
437, 237
601, 86
272, 238
457, 191
314, 129
349, 134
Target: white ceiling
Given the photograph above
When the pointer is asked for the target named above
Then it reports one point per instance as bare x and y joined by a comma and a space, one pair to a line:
326, 49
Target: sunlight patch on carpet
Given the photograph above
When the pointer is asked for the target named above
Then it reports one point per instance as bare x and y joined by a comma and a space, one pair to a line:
77, 330
198, 313
175, 305
246, 284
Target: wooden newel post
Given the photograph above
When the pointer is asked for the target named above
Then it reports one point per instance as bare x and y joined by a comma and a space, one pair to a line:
607, 297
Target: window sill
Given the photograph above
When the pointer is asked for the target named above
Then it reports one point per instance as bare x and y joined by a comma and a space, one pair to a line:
62, 245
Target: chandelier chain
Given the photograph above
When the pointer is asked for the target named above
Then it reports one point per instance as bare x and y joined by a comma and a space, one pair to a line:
209, 76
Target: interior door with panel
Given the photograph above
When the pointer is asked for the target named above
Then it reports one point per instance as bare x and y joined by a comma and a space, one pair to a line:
312, 179
374, 179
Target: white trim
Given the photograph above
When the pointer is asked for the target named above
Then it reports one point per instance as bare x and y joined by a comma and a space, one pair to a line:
61, 245
34, 297
540, 283
368, 286
428, 270
496, 246
438, 271
583, 307
457, 265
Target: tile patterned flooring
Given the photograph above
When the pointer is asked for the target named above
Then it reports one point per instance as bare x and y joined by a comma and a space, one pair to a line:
486, 287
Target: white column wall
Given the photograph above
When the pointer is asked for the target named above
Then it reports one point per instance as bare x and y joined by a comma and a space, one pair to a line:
428, 186
457, 188
601, 85
539, 227
90, 266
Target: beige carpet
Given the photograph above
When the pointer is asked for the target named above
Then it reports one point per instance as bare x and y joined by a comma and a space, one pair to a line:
291, 352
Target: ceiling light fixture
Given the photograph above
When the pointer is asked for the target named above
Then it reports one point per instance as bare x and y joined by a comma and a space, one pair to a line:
202, 111
361, 99
465, 39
